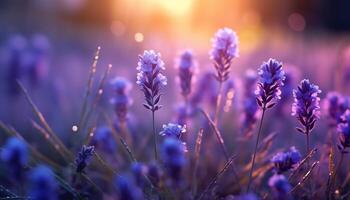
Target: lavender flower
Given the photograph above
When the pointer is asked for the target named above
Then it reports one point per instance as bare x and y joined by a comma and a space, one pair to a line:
16, 45
202, 88
83, 158
224, 49
15, 155
271, 78
344, 131
154, 173
127, 190
181, 114
37, 65
43, 184
280, 187
173, 156
121, 99
335, 105
250, 108
306, 105
150, 78
248, 196
103, 140
186, 65
139, 171
173, 130
285, 161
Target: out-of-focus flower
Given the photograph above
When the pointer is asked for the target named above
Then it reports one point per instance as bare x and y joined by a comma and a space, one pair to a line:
37, 62
121, 99
127, 190
202, 89
280, 187
224, 49
249, 196
139, 171
84, 157
334, 106
150, 79
181, 114
173, 157
16, 47
154, 173
344, 130
285, 161
103, 140
271, 78
173, 130
306, 105
43, 185
186, 66
250, 108
15, 155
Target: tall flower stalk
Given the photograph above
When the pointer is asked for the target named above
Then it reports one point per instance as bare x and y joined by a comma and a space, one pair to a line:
268, 92
186, 67
224, 49
306, 108
343, 130
151, 80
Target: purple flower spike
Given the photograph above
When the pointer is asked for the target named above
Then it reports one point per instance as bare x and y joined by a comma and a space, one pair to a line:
335, 105
271, 78
121, 99
250, 108
173, 130
224, 49
280, 187
83, 157
344, 131
43, 184
173, 156
186, 65
15, 154
306, 105
285, 161
150, 79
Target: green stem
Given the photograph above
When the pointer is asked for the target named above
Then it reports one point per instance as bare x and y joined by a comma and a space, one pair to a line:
154, 137
256, 148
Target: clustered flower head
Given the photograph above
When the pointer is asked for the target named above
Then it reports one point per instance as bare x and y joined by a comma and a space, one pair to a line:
43, 184
250, 108
335, 106
150, 79
186, 66
306, 105
121, 99
224, 49
280, 186
15, 155
84, 157
173, 157
344, 131
103, 140
271, 78
173, 130
285, 161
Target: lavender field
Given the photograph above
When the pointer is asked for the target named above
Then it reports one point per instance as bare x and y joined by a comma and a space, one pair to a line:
168, 100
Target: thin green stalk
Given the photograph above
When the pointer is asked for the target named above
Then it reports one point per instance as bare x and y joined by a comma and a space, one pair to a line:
336, 172
256, 148
154, 136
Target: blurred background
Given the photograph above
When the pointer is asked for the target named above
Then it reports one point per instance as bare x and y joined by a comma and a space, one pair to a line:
49, 45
